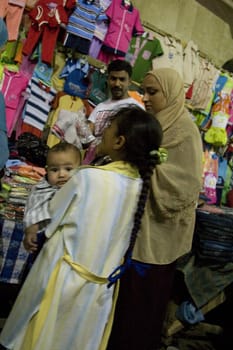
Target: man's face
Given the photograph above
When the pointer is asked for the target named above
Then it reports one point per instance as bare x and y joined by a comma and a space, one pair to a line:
118, 83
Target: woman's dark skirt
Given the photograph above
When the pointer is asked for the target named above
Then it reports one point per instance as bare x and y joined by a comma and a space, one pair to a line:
141, 308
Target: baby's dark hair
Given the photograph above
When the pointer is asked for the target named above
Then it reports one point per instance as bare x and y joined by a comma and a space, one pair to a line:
118, 65
143, 136
63, 146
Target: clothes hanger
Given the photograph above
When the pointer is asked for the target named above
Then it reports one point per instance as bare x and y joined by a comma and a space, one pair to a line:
52, 5
89, 2
127, 2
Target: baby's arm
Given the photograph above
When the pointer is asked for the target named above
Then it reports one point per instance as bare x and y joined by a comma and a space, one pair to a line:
36, 214
30, 238
30, 235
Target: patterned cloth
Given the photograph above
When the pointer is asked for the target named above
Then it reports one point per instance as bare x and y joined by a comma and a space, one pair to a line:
214, 238
38, 103
82, 22
13, 256
205, 282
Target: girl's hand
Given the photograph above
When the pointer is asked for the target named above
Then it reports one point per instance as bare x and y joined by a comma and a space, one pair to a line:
30, 238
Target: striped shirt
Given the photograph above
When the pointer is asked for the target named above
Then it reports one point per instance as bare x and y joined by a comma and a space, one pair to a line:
82, 22
38, 104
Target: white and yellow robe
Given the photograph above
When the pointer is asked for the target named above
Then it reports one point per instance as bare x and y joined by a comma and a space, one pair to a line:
64, 303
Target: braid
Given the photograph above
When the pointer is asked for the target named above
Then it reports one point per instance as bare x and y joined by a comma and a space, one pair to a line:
146, 176
143, 136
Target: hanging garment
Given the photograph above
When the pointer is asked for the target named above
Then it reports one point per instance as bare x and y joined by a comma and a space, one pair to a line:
99, 87
3, 136
190, 64
14, 85
172, 54
38, 103
12, 11
59, 63
45, 25
202, 96
65, 102
75, 73
100, 32
143, 49
124, 23
83, 19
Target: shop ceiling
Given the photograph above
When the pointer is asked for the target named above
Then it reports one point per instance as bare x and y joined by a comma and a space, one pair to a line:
221, 8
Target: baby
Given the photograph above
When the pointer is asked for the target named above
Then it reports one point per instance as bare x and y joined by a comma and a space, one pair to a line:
62, 160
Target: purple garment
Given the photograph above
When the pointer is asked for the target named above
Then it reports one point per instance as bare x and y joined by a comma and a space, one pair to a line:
95, 47
100, 32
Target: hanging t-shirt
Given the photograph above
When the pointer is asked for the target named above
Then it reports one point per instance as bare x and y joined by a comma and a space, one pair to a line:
38, 104
141, 52
99, 87
75, 73
82, 22
172, 54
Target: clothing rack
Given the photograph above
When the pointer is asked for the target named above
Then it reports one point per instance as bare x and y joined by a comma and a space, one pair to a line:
91, 60
77, 55
153, 28
157, 30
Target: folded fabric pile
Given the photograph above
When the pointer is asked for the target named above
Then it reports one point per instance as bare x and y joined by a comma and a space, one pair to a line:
16, 185
213, 239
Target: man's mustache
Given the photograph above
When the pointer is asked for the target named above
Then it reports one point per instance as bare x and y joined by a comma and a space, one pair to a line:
116, 89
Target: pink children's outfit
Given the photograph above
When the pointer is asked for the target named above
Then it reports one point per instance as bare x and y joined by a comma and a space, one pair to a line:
14, 84
124, 23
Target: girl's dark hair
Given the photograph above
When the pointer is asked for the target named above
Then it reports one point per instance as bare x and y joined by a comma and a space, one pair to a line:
143, 134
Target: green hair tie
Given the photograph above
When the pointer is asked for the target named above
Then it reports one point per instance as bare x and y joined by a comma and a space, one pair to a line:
161, 153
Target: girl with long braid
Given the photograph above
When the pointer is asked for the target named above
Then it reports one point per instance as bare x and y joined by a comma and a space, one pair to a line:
168, 221
68, 298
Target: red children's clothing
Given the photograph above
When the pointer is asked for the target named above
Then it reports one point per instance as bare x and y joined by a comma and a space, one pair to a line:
46, 19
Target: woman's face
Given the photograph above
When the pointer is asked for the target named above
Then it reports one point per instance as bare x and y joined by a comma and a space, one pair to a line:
153, 96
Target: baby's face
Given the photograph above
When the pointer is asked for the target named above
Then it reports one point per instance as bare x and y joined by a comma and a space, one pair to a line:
60, 166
